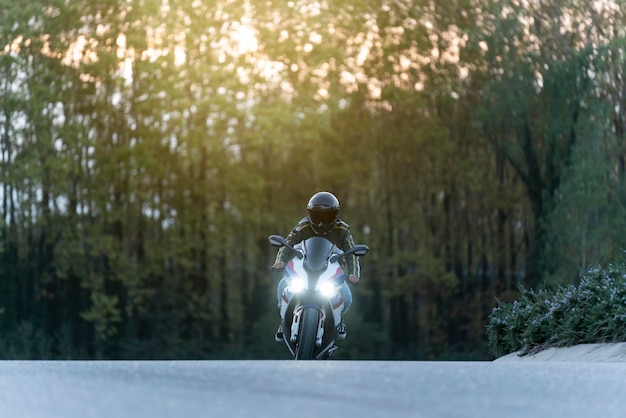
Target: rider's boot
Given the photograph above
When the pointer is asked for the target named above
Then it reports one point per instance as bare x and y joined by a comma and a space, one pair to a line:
279, 333
341, 330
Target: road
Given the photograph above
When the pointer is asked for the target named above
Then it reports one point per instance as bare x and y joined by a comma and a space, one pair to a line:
346, 389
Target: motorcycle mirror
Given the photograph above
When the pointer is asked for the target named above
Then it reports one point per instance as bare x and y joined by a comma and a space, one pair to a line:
359, 250
277, 240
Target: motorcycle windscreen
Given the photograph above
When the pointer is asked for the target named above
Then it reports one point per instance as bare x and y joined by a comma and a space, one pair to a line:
317, 250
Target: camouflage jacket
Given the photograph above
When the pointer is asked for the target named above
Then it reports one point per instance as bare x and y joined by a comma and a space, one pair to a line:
340, 235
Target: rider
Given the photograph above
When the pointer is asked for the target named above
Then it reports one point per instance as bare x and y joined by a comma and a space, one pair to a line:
322, 220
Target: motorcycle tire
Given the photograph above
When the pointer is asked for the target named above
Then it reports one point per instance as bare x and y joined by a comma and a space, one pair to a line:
307, 334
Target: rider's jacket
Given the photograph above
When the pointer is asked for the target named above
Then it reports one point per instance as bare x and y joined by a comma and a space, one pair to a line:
340, 235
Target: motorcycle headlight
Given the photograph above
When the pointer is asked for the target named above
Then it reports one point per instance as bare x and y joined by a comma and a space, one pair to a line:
297, 285
328, 289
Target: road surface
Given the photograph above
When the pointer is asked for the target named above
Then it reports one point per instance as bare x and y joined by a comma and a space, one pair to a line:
346, 389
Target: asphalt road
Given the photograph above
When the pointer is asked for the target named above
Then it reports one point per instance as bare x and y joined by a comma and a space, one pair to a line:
346, 389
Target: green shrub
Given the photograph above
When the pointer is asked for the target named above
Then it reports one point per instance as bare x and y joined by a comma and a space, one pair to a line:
592, 312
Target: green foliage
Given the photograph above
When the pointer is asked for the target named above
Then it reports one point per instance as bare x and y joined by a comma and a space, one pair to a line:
586, 223
587, 214
147, 152
104, 313
592, 312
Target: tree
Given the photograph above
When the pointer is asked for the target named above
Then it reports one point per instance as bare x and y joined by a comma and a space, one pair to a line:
541, 67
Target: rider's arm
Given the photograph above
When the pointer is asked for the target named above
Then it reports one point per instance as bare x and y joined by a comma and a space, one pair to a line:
351, 261
296, 235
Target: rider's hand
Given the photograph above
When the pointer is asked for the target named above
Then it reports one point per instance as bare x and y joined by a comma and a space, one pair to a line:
354, 279
278, 266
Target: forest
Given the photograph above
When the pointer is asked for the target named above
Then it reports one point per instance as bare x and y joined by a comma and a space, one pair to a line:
148, 148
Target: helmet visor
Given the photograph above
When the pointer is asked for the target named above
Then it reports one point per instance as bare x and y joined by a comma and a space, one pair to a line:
323, 218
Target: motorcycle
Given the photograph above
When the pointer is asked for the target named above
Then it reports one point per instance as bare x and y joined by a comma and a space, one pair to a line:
312, 302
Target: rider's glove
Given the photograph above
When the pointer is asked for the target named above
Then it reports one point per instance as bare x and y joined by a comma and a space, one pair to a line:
354, 279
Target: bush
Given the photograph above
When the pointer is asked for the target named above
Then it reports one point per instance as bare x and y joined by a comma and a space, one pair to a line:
592, 312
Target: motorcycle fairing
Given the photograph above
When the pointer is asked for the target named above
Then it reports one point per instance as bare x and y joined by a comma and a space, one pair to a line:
315, 270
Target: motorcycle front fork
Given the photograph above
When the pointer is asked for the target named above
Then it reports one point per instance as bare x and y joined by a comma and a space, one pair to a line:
295, 326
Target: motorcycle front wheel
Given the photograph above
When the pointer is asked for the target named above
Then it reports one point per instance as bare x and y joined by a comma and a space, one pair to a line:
307, 334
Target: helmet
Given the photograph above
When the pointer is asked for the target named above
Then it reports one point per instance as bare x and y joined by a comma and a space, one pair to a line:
323, 211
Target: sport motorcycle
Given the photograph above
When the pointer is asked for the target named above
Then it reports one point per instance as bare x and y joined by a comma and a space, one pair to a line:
312, 302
